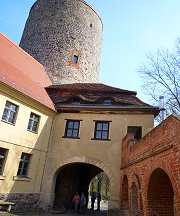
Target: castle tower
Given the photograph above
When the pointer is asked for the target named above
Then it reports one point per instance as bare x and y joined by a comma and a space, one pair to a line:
65, 36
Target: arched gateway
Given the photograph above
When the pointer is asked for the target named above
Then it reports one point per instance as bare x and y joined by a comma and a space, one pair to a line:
84, 137
72, 178
71, 175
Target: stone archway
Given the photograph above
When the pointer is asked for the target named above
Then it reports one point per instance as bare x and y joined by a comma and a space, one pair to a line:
53, 174
160, 194
82, 159
72, 178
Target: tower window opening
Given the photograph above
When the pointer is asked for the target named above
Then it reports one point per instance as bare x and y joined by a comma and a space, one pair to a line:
91, 25
75, 59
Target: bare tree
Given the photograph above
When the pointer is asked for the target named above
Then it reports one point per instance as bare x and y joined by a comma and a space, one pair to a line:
161, 77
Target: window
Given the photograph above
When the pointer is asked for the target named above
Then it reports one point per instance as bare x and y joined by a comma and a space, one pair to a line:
3, 153
75, 59
101, 130
107, 101
9, 113
24, 165
76, 101
136, 130
33, 122
72, 129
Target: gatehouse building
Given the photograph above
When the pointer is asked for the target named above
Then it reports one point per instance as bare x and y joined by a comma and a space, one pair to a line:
60, 127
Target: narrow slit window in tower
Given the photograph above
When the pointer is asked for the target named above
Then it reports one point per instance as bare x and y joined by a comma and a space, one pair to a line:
75, 59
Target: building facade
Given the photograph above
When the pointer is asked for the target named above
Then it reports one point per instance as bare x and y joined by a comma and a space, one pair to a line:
60, 128
26, 119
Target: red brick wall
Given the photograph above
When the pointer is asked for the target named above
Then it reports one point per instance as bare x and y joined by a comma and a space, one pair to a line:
160, 194
134, 199
158, 149
124, 192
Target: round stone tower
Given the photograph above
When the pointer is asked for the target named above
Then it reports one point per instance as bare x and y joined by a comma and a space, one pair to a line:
65, 36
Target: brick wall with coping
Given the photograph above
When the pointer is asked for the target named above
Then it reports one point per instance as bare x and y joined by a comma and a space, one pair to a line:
155, 157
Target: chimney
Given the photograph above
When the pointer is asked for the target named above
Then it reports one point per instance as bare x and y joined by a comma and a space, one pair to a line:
161, 106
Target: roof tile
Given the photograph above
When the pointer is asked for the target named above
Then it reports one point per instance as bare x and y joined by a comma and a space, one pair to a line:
23, 73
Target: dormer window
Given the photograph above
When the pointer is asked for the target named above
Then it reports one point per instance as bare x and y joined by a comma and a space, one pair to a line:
107, 101
76, 101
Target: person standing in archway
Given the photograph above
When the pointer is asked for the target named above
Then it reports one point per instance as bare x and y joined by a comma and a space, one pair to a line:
98, 201
82, 204
93, 197
76, 200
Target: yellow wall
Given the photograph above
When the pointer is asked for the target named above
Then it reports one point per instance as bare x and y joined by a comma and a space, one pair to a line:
17, 139
106, 152
50, 150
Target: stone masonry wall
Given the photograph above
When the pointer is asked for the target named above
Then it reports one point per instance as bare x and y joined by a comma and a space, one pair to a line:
22, 200
57, 29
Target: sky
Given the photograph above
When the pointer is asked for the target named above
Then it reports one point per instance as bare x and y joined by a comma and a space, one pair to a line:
131, 29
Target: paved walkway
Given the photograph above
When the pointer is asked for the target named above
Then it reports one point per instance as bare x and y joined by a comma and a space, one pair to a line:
67, 213
102, 212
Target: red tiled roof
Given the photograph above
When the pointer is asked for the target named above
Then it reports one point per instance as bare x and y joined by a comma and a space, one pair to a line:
20, 71
92, 93
91, 87
91, 96
98, 98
